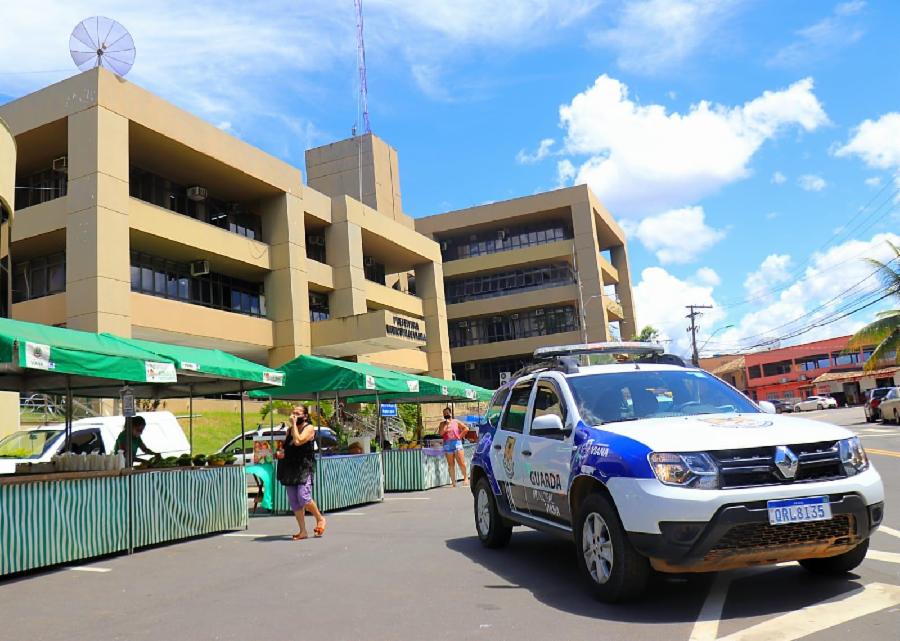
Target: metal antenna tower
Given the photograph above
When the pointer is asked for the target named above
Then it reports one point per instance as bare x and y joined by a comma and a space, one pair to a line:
363, 104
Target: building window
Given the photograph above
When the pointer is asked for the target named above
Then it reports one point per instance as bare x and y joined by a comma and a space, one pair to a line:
754, 371
845, 359
487, 373
508, 282
771, 396
315, 247
40, 187
776, 369
318, 307
39, 277
167, 194
788, 395
168, 279
499, 240
373, 270
512, 326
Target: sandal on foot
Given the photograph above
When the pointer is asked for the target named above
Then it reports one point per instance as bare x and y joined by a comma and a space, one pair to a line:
319, 530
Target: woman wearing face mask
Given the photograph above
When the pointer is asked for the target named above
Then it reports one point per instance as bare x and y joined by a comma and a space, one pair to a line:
452, 431
296, 469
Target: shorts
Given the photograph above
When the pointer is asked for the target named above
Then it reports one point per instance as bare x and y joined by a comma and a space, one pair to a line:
452, 445
299, 495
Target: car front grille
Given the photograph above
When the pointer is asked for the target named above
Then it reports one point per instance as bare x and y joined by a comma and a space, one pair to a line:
756, 466
751, 536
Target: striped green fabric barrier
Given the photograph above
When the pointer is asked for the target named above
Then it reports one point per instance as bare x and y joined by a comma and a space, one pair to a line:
413, 470
178, 504
46, 523
341, 481
404, 470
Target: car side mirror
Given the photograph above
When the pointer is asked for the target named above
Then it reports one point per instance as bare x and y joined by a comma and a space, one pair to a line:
548, 425
767, 407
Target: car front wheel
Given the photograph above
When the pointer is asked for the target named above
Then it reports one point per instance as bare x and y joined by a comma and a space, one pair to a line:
492, 531
608, 562
840, 564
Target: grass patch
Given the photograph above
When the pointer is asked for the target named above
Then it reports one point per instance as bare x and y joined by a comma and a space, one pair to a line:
213, 429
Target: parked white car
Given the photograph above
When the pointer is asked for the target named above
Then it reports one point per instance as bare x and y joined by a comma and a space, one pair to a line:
815, 403
97, 435
889, 408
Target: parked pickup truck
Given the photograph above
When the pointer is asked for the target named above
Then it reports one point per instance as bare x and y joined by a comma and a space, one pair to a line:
647, 464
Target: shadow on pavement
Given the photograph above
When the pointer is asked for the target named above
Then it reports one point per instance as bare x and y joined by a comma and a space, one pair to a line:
545, 566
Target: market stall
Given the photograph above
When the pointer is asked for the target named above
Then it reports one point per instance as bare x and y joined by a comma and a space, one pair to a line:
422, 468
104, 506
341, 480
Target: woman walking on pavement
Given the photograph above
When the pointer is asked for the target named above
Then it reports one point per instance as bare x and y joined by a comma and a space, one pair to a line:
452, 431
296, 470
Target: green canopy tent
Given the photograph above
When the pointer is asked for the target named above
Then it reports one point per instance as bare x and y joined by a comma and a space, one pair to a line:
210, 371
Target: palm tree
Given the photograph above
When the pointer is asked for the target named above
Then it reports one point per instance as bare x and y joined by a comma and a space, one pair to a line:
885, 329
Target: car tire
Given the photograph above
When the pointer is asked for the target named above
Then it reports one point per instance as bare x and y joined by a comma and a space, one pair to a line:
606, 559
837, 565
492, 531
869, 419
819, 406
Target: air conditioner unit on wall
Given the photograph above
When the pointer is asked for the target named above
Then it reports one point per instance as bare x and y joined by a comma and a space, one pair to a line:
196, 193
61, 164
369, 261
199, 268
471, 366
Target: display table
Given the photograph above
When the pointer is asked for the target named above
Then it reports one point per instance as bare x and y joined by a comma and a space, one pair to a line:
419, 469
340, 482
49, 519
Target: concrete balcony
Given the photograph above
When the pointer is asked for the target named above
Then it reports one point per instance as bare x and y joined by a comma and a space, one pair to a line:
512, 302
320, 274
536, 254
520, 347
614, 310
370, 333
48, 310
40, 219
380, 296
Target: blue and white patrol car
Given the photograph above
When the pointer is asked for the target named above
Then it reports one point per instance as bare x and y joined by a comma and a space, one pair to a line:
649, 464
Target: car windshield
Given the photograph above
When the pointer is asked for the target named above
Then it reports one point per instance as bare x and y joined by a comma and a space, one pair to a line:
27, 443
880, 393
637, 394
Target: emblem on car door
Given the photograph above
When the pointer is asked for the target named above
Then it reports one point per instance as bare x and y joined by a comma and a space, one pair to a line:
786, 462
509, 463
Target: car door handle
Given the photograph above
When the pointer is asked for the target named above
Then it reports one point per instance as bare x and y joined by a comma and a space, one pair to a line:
526, 452
498, 447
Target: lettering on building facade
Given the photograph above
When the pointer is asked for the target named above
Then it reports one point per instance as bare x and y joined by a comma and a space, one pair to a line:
405, 328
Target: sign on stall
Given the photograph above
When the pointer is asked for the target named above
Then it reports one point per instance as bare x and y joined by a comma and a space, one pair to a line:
389, 409
128, 409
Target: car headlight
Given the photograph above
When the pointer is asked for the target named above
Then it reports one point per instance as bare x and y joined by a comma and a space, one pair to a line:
691, 469
853, 456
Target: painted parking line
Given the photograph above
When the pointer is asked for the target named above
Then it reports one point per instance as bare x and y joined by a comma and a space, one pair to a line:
872, 450
801, 623
706, 628
888, 530
888, 557
90, 569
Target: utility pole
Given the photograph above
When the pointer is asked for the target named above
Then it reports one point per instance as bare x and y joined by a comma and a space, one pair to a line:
695, 358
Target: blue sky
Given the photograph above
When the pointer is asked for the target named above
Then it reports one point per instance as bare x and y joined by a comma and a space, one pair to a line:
736, 141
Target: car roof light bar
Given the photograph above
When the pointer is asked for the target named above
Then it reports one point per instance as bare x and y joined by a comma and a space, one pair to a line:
621, 347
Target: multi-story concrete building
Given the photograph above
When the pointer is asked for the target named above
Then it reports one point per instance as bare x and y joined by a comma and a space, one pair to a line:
545, 269
137, 218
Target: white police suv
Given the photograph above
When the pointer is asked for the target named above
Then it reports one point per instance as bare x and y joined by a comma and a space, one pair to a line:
649, 464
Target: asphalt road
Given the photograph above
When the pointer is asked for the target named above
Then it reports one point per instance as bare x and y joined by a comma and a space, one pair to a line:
412, 568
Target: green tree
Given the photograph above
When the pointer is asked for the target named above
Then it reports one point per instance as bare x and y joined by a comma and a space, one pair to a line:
884, 331
648, 335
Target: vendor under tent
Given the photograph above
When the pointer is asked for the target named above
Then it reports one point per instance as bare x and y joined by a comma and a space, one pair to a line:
174, 503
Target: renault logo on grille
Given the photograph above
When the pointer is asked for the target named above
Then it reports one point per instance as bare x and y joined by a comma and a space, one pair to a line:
786, 462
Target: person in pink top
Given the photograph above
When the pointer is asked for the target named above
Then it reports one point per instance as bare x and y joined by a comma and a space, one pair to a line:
452, 431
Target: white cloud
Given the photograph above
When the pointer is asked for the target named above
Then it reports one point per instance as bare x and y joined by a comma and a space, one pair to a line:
811, 182
773, 271
876, 142
565, 172
677, 236
707, 276
779, 178
661, 298
772, 215
874, 181
653, 35
828, 275
543, 150
642, 159
830, 34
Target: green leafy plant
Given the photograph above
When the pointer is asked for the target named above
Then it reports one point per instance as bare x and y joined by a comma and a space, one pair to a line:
884, 331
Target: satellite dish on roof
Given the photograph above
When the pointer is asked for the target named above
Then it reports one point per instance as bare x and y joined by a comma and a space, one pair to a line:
102, 42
